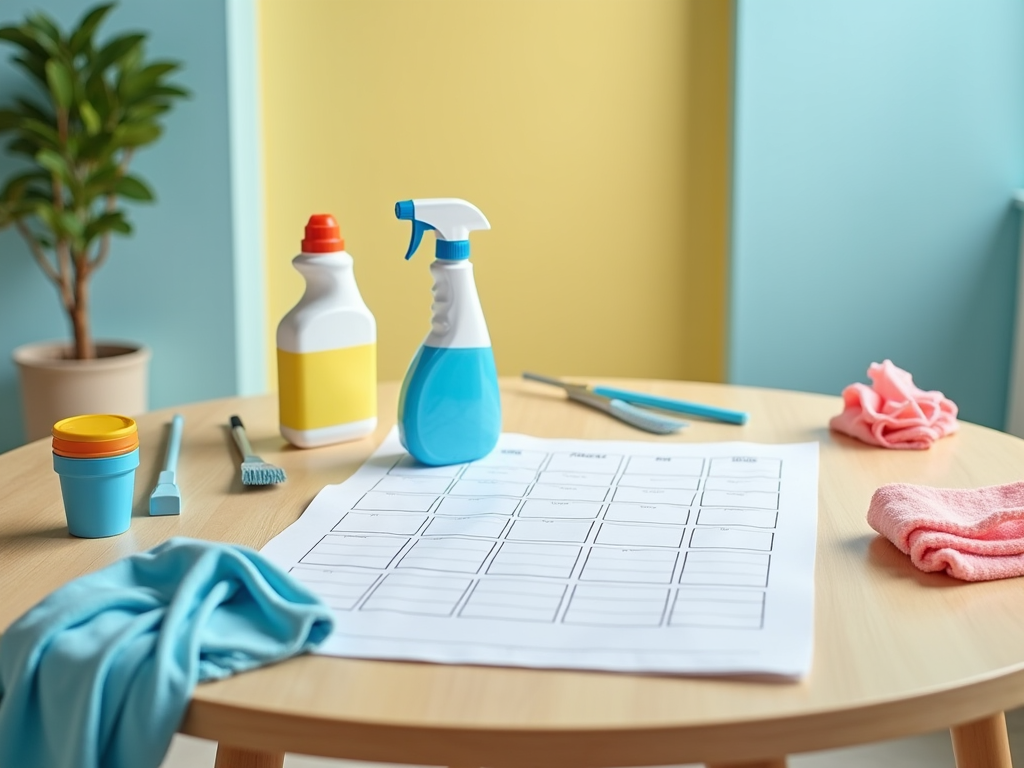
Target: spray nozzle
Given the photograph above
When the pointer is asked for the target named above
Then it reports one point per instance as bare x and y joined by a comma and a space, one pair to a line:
451, 218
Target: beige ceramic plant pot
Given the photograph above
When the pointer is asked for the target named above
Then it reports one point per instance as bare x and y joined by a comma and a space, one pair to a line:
54, 387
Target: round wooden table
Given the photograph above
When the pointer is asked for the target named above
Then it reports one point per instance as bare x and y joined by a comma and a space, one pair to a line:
896, 651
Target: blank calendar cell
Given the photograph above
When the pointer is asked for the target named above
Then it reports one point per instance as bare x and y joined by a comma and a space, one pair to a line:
569, 492
510, 457
677, 482
551, 560
577, 478
488, 488
731, 538
755, 518
421, 595
765, 484
745, 466
740, 499
380, 522
664, 465
360, 551
608, 606
395, 502
488, 526
508, 474
410, 484
340, 589
717, 608
454, 555
654, 496
485, 505
726, 569
642, 566
407, 465
514, 600
551, 508
647, 513
640, 535
550, 530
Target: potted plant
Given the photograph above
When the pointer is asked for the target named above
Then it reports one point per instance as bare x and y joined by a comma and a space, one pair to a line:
100, 102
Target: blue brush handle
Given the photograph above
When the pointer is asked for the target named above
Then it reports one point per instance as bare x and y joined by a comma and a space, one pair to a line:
174, 443
679, 406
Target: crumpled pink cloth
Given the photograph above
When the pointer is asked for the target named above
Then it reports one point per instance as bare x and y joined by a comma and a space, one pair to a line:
973, 534
893, 413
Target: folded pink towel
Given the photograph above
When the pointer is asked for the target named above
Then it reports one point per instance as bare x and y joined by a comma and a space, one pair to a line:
973, 534
893, 413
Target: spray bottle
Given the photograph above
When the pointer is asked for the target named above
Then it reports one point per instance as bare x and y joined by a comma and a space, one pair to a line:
326, 347
449, 409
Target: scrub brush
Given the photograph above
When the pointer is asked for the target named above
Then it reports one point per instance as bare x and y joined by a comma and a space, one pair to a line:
255, 471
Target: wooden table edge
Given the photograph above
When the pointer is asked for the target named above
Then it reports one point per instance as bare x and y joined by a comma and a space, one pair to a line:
740, 741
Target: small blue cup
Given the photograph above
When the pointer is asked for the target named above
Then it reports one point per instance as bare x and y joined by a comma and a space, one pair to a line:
97, 493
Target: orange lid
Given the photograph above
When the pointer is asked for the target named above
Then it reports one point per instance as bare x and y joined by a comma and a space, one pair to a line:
323, 235
94, 428
95, 450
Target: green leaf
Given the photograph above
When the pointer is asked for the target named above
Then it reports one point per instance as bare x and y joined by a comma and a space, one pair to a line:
35, 110
171, 90
134, 188
82, 36
61, 86
139, 85
17, 36
18, 185
137, 134
143, 112
23, 146
70, 223
108, 222
115, 50
45, 134
34, 67
9, 119
55, 164
90, 118
45, 25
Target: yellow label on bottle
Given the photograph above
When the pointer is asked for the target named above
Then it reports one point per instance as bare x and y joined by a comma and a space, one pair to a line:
325, 389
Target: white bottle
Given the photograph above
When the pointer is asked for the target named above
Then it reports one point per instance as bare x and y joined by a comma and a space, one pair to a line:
326, 347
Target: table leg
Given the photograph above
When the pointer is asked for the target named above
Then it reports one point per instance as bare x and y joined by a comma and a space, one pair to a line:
778, 762
982, 744
235, 757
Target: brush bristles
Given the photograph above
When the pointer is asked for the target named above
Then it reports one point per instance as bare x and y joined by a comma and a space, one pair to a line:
261, 473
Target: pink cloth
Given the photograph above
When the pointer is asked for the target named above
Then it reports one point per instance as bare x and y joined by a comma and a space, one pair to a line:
973, 534
893, 413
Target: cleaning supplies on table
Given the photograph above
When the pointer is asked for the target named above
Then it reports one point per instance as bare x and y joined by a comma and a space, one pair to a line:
166, 496
99, 674
449, 409
893, 413
623, 411
255, 471
974, 534
326, 347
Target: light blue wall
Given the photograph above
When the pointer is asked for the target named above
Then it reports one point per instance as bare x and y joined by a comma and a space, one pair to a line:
877, 147
170, 285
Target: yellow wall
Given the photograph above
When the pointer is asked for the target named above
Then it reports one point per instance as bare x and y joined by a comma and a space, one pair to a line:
593, 134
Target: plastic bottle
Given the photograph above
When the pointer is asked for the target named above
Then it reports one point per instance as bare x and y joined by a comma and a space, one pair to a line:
449, 409
326, 347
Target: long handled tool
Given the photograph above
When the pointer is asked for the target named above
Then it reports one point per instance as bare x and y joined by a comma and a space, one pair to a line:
166, 497
255, 471
636, 417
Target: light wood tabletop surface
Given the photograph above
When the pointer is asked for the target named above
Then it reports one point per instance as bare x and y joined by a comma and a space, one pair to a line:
896, 651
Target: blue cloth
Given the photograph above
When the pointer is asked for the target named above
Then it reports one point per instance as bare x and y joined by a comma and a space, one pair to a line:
99, 673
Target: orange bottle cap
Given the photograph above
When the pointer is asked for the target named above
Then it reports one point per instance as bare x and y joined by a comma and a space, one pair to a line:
323, 235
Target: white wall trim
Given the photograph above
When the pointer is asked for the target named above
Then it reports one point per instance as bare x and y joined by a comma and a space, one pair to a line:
246, 160
1015, 406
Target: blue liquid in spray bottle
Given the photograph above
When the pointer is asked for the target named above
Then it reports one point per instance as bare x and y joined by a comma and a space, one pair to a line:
449, 410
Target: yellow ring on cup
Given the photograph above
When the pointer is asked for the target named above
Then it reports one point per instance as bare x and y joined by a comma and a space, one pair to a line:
94, 428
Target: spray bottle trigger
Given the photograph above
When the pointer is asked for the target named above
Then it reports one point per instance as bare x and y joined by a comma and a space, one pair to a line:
418, 228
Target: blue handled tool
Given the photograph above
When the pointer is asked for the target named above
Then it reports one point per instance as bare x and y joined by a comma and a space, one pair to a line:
636, 417
166, 498
679, 406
